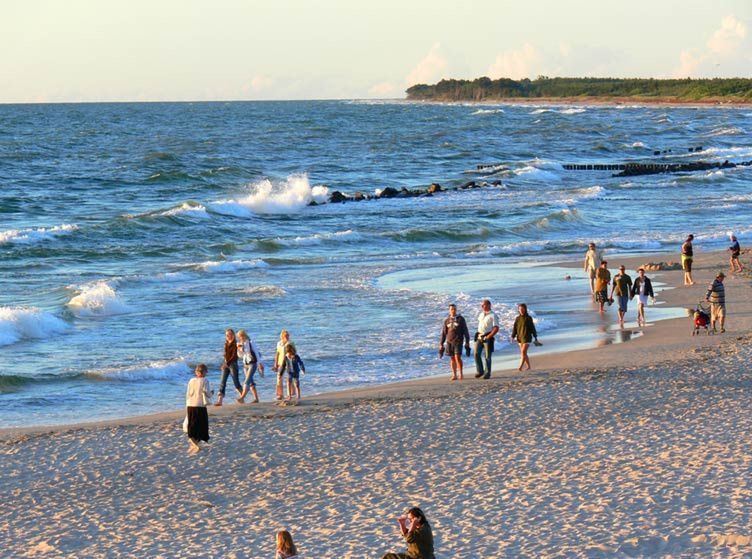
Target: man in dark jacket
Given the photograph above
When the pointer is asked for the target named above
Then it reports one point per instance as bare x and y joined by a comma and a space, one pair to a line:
643, 288
453, 332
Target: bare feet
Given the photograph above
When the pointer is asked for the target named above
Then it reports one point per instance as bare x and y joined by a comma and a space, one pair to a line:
453, 378
240, 400
219, 401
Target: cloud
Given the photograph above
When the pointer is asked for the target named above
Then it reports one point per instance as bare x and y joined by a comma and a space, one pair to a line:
260, 82
384, 89
429, 70
729, 37
726, 53
525, 62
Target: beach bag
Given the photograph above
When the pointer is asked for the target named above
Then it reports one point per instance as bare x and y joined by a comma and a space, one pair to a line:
185, 424
249, 357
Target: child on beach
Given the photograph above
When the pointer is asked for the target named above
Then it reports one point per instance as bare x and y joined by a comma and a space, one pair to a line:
279, 359
197, 396
602, 280
250, 355
285, 546
294, 367
735, 250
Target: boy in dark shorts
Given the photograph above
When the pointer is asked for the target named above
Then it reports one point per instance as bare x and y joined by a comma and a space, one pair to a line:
453, 332
293, 366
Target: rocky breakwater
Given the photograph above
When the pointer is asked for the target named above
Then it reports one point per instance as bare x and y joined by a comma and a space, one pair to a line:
338, 197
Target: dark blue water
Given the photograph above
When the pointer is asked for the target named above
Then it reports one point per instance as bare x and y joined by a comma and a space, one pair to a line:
132, 235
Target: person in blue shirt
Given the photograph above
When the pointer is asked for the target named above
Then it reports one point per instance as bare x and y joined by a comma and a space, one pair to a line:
293, 366
735, 250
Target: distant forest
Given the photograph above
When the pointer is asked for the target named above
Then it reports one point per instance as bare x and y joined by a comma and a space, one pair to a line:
739, 89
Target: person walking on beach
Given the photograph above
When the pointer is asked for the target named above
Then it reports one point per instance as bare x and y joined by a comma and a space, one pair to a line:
524, 333
593, 259
285, 546
602, 281
198, 395
716, 296
735, 250
687, 254
294, 367
229, 366
250, 355
453, 332
279, 358
643, 288
417, 533
488, 326
621, 287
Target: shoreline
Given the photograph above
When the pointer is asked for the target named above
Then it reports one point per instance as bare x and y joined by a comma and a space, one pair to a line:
611, 354
595, 102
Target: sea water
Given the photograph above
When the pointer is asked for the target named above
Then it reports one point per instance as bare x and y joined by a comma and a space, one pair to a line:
132, 235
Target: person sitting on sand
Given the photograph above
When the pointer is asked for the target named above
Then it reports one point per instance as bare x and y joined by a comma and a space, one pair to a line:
687, 255
621, 287
453, 332
294, 367
593, 259
229, 366
735, 250
716, 296
279, 358
488, 327
602, 281
251, 357
285, 546
524, 332
198, 395
643, 288
417, 533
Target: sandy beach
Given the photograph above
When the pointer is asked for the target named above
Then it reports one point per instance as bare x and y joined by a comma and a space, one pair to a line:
639, 449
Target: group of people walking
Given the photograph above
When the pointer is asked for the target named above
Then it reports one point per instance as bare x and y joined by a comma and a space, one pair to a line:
455, 335
240, 349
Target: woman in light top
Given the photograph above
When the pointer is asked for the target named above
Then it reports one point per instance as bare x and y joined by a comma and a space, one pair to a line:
198, 395
250, 356
524, 333
279, 359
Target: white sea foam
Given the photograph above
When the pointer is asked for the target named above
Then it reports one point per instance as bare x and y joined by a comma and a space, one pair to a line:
175, 369
186, 208
536, 173
30, 236
97, 299
255, 292
727, 131
318, 238
18, 323
487, 111
637, 145
228, 265
541, 111
267, 197
572, 111
586, 193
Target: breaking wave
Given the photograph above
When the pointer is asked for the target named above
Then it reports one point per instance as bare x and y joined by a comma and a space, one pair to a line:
19, 323
97, 299
30, 236
267, 197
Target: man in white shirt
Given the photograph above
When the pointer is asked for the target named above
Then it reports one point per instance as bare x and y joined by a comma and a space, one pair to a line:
488, 326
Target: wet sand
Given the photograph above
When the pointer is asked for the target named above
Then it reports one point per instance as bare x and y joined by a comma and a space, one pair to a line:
634, 449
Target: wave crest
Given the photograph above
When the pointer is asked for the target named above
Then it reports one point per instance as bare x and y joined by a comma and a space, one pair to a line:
29, 236
267, 197
97, 299
17, 323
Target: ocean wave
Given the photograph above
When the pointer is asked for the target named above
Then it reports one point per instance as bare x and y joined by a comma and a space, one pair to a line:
97, 299
261, 292
636, 145
346, 236
487, 111
174, 369
418, 234
536, 173
572, 111
526, 248
29, 236
19, 323
188, 208
267, 197
564, 216
726, 131
585, 193
225, 266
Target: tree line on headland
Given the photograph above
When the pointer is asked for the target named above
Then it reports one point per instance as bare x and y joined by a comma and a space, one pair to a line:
486, 89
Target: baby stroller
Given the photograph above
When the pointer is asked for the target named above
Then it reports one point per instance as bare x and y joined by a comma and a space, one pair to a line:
701, 317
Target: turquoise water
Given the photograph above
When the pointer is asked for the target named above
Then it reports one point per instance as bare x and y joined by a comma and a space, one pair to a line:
132, 235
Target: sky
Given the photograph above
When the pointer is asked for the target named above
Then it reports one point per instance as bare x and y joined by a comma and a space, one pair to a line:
196, 50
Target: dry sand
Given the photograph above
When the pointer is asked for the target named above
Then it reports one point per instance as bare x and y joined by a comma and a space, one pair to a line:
633, 450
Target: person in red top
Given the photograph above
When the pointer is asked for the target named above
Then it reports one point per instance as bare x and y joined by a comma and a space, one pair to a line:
229, 366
